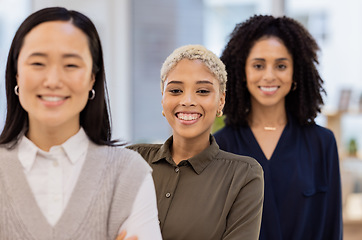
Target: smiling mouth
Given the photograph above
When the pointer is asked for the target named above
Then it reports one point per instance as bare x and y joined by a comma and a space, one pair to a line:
52, 98
188, 116
268, 89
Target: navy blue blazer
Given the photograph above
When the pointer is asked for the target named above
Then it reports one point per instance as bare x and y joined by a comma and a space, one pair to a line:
302, 196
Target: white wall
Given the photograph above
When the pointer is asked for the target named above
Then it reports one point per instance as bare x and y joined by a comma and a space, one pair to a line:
9, 22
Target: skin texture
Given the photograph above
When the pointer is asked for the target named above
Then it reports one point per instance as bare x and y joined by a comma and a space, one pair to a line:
54, 79
190, 100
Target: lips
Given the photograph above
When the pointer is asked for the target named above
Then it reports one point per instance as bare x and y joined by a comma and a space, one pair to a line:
188, 116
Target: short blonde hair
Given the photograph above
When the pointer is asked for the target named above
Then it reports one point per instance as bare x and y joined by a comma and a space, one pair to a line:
195, 52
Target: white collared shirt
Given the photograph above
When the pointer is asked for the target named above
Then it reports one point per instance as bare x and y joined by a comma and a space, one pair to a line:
53, 175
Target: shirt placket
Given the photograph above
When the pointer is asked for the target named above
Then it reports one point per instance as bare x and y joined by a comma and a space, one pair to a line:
168, 193
55, 188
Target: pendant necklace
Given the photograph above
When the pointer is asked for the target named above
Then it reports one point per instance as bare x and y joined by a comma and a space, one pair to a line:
270, 128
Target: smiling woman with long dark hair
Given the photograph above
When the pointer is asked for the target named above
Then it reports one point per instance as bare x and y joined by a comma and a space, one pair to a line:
61, 175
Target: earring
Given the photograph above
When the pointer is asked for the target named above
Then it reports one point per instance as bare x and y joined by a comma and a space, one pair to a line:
294, 86
163, 113
219, 113
16, 90
93, 94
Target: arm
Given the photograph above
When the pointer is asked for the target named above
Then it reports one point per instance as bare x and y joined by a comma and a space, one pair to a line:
244, 218
143, 220
333, 227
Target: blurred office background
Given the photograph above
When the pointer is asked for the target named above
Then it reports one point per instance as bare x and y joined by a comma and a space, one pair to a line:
137, 35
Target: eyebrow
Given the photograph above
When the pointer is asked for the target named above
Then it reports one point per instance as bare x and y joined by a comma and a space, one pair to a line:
67, 55
204, 81
197, 82
278, 59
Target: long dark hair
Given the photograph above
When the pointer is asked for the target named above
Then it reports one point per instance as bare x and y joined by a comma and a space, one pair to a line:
95, 117
305, 102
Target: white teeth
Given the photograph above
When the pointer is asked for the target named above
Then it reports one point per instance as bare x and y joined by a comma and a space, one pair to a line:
52, 98
188, 117
269, 89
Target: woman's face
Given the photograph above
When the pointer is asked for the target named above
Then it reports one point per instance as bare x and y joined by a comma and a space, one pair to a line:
54, 75
269, 72
191, 98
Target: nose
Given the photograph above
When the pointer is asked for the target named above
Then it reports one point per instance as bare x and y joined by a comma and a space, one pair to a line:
269, 75
53, 78
188, 99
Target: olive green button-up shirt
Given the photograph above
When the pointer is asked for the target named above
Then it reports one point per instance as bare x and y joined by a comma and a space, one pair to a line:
213, 195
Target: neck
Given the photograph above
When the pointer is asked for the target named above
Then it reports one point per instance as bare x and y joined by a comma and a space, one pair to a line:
45, 137
183, 149
268, 119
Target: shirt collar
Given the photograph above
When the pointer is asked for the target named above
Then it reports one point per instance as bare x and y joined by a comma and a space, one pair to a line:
74, 147
27, 151
198, 162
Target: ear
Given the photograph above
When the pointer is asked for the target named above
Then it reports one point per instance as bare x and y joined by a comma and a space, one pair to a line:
93, 80
162, 96
222, 101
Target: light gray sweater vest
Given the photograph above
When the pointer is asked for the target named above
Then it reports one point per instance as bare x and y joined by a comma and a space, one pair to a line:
101, 201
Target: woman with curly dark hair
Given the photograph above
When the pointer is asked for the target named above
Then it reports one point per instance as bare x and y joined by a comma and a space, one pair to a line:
273, 96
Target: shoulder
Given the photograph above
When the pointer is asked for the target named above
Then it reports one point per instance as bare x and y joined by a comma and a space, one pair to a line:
6, 152
147, 151
240, 161
119, 156
144, 147
317, 132
9, 150
225, 131
228, 136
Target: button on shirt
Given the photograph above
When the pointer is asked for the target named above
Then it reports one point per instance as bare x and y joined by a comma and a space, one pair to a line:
213, 195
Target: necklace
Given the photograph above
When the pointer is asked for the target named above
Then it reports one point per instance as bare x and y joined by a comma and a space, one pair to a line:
270, 128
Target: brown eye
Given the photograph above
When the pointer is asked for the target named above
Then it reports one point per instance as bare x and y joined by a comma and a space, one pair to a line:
71, 66
175, 91
203, 91
282, 66
258, 66
37, 64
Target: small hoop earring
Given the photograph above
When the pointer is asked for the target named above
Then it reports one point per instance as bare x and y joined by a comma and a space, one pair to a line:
294, 86
163, 113
219, 113
16, 90
93, 94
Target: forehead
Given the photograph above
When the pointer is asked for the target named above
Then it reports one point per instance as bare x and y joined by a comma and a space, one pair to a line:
194, 67
56, 35
269, 46
187, 69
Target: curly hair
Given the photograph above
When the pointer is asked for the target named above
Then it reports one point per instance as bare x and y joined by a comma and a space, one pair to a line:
193, 52
305, 102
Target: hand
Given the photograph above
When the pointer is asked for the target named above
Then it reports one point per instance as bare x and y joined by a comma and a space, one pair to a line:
123, 234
